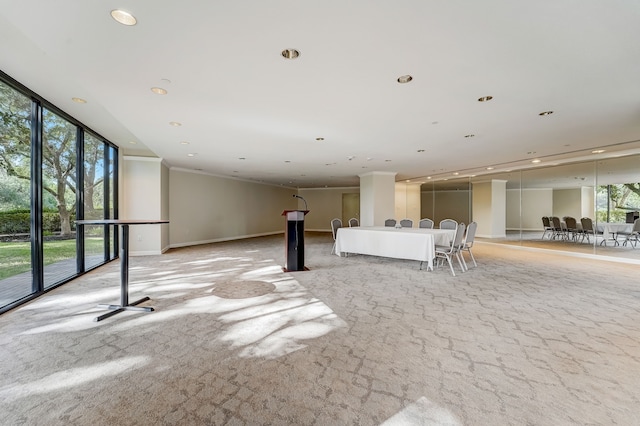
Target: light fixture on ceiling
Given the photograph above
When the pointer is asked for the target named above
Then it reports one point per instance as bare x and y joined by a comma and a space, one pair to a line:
184, 143
456, 173
319, 139
597, 151
241, 158
428, 177
536, 161
158, 90
543, 113
79, 100
421, 150
404, 79
175, 124
290, 53
133, 142
490, 168
123, 17
191, 154
470, 136
485, 98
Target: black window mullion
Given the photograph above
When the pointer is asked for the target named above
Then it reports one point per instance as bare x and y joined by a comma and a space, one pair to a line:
105, 200
80, 265
37, 267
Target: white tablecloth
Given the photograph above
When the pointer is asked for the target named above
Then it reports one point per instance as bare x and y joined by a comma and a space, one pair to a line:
404, 243
609, 229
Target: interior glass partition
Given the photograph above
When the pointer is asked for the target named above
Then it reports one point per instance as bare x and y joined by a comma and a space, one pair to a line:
94, 200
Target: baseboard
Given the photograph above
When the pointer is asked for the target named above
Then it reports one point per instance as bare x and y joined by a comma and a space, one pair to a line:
220, 240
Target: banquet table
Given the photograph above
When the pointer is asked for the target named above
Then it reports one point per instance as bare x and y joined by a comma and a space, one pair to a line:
400, 243
610, 230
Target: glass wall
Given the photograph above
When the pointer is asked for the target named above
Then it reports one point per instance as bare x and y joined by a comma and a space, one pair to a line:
52, 171
605, 191
15, 195
59, 197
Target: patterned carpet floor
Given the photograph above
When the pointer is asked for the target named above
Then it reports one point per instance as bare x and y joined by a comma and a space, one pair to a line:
525, 338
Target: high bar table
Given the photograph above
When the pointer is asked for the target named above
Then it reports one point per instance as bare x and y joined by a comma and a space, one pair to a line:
124, 265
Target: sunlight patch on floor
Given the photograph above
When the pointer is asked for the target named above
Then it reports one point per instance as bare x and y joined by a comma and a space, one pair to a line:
424, 413
72, 377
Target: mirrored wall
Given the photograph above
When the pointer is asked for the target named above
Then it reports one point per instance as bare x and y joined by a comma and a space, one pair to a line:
606, 191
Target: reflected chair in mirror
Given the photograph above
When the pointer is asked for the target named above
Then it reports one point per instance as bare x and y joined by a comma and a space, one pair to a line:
467, 244
406, 223
572, 229
426, 223
589, 228
634, 236
548, 229
448, 224
447, 252
335, 225
558, 230
390, 222
353, 222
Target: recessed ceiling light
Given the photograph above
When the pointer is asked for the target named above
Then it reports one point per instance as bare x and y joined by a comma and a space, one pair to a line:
290, 53
287, 161
456, 173
125, 18
485, 98
175, 124
404, 79
428, 177
319, 139
489, 168
184, 143
158, 90
79, 100
597, 151
241, 158
191, 154
469, 136
133, 142
546, 113
536, 161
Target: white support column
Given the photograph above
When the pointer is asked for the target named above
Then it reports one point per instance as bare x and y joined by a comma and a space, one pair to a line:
377, 198
490, 208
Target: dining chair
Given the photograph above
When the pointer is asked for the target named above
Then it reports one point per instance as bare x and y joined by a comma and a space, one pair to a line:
558, 231
546, 225
425, 223
390, 222
353, 222
448, 224
634, 236
467, 244
447, 252
589, 228
406, 223
335, 225
572, 228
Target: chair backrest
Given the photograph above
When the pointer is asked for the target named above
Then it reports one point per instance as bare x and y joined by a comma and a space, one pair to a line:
335, 225
390, 222
457, 239
545, 222
587, 224
448, 224
470, 235
426, 223
406, 223
353, 222
636, 225
570, 222
556, 222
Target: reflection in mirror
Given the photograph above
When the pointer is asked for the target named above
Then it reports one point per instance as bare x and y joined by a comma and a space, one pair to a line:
447, 199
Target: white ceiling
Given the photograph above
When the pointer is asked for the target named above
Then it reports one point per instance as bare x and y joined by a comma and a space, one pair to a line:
237, 97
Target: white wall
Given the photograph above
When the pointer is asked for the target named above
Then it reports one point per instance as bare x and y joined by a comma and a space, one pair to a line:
324, 205
408, 202
536, 202
141, 198
206, 208
567, 202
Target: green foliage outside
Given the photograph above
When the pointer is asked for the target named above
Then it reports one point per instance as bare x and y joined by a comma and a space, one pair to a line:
622, 198
19, 222
16, 256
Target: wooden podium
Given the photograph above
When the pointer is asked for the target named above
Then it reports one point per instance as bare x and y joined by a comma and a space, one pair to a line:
294, 240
